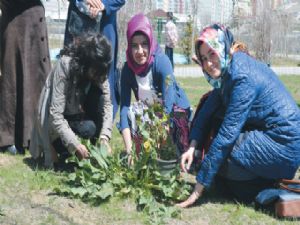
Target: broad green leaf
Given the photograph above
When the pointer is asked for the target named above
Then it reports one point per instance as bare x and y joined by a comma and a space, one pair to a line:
78, 191
125, 190
118, 180
106, 190
99, 158
72, 177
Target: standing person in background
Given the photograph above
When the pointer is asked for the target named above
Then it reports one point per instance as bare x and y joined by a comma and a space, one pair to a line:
25, 65
108, 27
171, 37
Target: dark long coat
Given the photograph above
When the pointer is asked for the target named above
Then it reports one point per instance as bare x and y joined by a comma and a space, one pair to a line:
108, 27
25, 65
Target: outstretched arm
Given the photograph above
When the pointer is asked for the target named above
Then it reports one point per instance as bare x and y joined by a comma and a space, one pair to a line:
107, 111
125, 103
193, 197
241, 99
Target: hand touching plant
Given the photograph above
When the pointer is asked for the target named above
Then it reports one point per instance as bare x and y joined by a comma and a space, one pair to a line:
193, 197
82, 152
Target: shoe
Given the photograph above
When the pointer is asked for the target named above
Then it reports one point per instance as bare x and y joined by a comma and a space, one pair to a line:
21, 150
12, 149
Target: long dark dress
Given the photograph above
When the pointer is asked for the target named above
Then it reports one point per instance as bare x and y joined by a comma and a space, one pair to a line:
25, 64
108, 28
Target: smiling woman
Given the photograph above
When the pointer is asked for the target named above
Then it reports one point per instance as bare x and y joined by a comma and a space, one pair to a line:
210, 61
255, 120
149, 73
140, 48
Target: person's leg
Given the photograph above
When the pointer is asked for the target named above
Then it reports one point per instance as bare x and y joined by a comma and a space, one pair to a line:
93, 107
180, 129
262, 155
239, 182
171, 57
9, 60
169, 53
85, 129
243, 191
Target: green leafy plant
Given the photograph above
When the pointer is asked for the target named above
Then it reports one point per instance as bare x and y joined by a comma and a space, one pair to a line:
152, 132
102, 176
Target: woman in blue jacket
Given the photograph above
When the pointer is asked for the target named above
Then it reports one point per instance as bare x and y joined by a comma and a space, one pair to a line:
146, 73
258, 140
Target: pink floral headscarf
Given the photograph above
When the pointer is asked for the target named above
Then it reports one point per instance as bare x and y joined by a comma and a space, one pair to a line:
219, 39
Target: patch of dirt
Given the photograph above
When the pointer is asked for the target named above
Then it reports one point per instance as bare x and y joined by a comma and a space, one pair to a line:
6, 160
42, 207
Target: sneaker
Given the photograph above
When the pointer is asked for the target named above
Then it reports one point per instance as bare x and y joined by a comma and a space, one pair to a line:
12, 149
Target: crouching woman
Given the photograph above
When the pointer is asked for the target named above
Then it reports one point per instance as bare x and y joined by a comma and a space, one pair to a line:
258, 140
148, 73
75, 102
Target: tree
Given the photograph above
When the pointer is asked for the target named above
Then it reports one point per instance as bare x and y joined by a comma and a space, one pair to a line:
186, 42
194, 19
262, 31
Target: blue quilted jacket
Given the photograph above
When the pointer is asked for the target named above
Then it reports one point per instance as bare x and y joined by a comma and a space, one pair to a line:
253, 97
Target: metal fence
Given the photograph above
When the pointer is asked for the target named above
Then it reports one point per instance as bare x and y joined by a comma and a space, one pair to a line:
56, 30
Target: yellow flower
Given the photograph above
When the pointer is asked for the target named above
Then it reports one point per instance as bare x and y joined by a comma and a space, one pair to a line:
147, 146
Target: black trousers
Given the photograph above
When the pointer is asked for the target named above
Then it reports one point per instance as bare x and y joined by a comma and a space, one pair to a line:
169, 53
87, 125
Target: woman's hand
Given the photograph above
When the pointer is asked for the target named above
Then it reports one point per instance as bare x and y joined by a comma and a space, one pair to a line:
193, 197
129, 158
95, 3
94, 12
187, 157
95, 6
82, 152
128, 144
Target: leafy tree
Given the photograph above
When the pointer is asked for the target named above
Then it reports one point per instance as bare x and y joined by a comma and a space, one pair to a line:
186, 42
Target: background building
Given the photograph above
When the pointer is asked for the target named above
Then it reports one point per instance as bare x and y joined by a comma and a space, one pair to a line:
274, 22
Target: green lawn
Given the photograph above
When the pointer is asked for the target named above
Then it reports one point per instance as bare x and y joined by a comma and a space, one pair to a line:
26, 195
196, 87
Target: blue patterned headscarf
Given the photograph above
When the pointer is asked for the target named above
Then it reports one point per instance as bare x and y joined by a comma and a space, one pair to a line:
219, 39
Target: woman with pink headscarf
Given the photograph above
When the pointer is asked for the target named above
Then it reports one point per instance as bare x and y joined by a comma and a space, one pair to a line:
145, 73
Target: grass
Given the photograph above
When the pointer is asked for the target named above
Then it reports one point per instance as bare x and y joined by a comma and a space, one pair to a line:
26, 195
284, 61
275, 61
196, 87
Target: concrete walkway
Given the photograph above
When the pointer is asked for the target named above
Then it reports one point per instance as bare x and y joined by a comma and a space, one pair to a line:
196, 71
